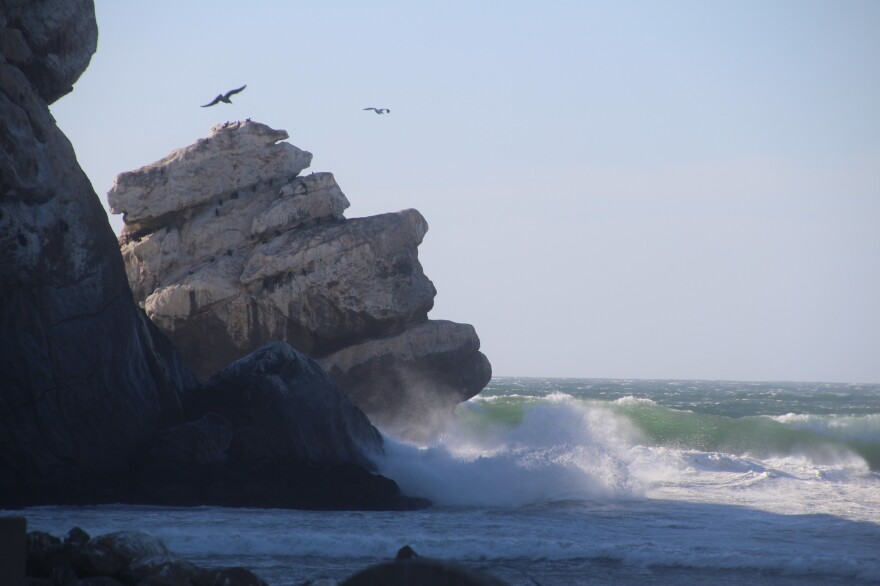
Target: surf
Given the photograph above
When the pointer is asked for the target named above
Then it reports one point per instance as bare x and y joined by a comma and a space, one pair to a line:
524, 448
554, 449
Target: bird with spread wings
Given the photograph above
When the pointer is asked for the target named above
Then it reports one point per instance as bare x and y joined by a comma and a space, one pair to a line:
225, 97
379, 110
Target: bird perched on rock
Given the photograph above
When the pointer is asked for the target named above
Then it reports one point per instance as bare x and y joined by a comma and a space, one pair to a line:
225, 97
379, 110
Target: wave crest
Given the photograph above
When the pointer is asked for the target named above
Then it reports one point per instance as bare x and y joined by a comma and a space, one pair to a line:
562, 450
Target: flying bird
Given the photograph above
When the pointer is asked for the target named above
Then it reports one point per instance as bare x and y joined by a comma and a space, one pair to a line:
379, 110
225, 97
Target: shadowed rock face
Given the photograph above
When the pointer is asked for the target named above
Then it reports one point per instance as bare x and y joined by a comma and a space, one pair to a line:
85, 378
271, 429
227, 247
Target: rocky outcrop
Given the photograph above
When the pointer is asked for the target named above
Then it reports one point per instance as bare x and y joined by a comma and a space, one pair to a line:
271, 429
227, 247
95, 403
122, 557
85, 378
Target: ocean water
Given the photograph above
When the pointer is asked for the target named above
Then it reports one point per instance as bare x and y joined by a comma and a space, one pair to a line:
581, 482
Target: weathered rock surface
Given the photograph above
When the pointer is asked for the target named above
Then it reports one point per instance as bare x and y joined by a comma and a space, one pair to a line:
227, 248
203, 172
51, 43
85, 378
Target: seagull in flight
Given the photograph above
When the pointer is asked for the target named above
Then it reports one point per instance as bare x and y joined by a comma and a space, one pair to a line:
379, 110
225, 97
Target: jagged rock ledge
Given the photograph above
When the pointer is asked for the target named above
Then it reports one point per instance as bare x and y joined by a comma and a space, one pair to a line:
228, 247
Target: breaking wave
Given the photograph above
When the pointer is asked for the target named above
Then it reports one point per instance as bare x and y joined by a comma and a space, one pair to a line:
552, 450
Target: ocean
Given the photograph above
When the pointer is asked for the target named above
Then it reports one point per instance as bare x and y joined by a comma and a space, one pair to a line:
581, 481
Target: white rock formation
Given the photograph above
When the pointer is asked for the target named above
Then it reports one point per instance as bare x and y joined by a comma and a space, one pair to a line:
226, 247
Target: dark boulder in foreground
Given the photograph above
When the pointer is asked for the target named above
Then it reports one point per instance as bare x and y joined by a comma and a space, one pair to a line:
409, 568
421, 571
270, 430
135, 558
123, 557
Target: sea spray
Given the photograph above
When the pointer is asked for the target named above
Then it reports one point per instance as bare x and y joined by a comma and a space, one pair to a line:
559, 450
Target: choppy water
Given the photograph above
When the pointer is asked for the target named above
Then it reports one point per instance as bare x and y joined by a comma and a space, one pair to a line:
564, 481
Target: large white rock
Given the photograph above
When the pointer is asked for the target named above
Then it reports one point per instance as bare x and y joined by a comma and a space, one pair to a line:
225, 262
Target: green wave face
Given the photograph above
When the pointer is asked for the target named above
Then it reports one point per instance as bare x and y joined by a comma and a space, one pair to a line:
822, 438
757, 436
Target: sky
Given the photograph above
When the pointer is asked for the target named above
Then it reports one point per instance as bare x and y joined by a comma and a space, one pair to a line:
669, 190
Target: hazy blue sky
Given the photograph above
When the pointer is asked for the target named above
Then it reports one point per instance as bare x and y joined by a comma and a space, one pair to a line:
614, 189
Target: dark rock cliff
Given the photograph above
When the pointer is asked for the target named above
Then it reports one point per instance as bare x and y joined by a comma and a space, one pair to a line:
85, 377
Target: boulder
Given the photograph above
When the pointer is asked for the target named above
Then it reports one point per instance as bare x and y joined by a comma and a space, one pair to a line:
271, 429
225, 240
85, 378
299, 413
135, 548
410, 568
123, 557
227, 577
421, 571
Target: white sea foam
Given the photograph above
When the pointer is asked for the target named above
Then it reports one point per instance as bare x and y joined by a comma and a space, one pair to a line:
790, 485
860, 428
562, 450
568, 449
630, 401
498, 398
717, 462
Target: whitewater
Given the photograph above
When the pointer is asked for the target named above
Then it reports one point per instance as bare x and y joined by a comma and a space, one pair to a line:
583, 481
